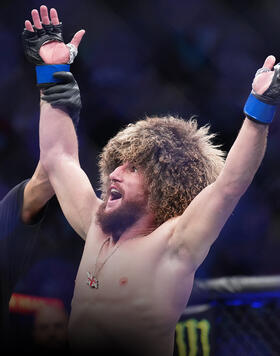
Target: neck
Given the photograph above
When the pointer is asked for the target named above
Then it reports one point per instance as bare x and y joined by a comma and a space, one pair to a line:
142, 227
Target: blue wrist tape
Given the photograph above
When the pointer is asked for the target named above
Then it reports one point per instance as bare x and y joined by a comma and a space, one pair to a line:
44, 73
259, 111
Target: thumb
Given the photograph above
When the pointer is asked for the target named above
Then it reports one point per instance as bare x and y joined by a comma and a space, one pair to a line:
269, 62
77, 38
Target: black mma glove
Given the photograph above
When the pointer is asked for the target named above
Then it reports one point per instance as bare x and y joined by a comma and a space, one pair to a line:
272, 94
261, 108
32, 41
65, 95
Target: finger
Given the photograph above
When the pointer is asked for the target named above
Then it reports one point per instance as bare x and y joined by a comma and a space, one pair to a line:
28, 26
54, 16
58, 88
269, 62
36, 19
44, 15
77, 38
66, 77
56, 97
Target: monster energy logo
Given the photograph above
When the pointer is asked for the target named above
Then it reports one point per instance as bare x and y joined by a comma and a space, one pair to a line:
193, 335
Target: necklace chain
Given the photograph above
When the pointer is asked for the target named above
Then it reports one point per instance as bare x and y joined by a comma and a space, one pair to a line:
92, 280
106, 259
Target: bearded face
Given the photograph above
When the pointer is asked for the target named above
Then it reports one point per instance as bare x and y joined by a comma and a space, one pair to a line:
126, 201
116, 221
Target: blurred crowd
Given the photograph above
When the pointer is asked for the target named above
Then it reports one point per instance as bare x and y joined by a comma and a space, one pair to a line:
137, 59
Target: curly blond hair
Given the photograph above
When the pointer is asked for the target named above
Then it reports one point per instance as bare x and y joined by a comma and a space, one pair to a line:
177, 158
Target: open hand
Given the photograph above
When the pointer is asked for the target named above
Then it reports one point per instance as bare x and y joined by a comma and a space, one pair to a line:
264, 76
54, 51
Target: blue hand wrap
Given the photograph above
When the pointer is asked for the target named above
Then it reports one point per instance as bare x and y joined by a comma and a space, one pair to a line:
259, 111
45, 72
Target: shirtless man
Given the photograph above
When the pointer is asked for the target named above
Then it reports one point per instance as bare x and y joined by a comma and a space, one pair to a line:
166, 194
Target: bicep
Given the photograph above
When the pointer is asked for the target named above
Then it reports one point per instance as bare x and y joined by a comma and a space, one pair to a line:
74, 193
199, 226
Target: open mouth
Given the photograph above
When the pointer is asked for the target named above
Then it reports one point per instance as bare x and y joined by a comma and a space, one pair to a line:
115, 194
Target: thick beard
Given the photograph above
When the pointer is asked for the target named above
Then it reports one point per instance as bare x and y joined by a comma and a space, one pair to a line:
116, 222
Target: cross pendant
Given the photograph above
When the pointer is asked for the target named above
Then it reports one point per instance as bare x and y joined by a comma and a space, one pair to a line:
92, 281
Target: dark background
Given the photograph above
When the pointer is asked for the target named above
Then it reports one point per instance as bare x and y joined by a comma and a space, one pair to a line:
140, 58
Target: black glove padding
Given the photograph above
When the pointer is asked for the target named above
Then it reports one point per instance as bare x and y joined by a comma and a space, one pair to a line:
272, 94
65, 95
32, 41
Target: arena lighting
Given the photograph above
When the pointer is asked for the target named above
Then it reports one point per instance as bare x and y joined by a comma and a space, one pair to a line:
257, 304
28, 304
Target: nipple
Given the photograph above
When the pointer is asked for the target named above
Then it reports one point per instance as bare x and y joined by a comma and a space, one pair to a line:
123, 281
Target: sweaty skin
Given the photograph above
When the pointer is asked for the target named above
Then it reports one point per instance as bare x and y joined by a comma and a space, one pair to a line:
142, 312
158, 265
142, 292
139, 318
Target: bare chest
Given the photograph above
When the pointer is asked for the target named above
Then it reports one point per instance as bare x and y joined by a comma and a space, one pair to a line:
138, 289
116, 270
133, 270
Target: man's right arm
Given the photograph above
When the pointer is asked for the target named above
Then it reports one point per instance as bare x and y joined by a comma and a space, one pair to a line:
59, 157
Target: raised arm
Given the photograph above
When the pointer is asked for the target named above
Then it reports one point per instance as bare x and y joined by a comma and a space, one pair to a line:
59, 156
204, 218
58, 139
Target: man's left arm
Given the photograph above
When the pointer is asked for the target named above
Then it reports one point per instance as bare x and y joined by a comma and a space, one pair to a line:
202, 221
37, 192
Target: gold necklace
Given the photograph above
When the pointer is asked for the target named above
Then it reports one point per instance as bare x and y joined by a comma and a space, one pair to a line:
92, 280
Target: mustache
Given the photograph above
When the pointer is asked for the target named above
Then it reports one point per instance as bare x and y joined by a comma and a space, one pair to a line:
121, 219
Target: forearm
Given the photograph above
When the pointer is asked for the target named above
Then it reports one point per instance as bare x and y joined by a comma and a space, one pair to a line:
59, 156
244, 158
57, 137
37, 192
